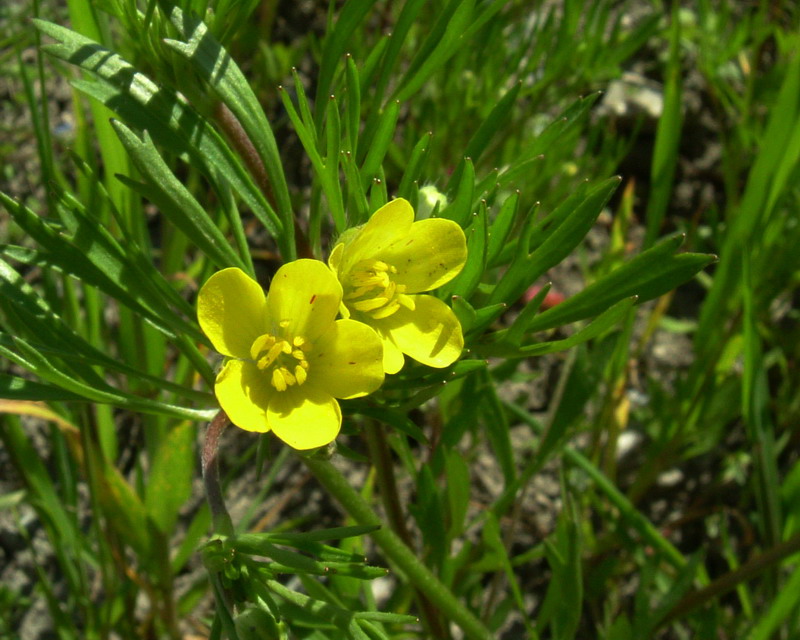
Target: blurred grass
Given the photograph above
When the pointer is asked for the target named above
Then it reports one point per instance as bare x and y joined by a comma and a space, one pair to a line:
494, 105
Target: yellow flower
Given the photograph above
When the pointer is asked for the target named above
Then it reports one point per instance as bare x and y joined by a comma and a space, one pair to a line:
384, 264
289, 356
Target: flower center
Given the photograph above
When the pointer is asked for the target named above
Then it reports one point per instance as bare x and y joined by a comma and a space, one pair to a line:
371, 290
283, 359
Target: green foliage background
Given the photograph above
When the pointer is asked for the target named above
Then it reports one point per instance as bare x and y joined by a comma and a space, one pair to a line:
214, 134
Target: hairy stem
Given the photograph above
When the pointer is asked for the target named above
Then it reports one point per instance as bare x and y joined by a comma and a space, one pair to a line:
221, 518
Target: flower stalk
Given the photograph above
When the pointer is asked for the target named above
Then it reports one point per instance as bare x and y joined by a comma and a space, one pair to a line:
395, 550
223, 525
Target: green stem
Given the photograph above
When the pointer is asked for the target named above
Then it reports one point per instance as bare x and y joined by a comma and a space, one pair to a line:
646, 529
394, 549
722, 585
387, 487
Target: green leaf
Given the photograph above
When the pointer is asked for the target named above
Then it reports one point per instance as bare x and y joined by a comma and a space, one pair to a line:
170, 120
506, 344
562, 231
681, 584
668, 137
395, 419
319, 535
493, 540
36, 319
285, 561
465, 313
498, 431
336, 42
782, 607
16, 388
380, 142
461, 206
124, 510
458, 492
308, 138
169, 482
515, 333
174, 200
565, 591
400, 30
776, 160
447, 36
501, 227
45, 498
486, 315
352, 104
224, 76
98, 264
427, 511
465, 283
497, 120
648, 275
97, 390
409, 184
548, 139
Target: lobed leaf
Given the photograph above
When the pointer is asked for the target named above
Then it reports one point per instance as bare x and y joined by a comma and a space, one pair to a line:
174, 200
465, 283
648, 275
554, 237
169, 119
222, 73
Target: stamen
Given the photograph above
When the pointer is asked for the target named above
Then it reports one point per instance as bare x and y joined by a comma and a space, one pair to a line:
386, 311
287, 375
406, 301
260, 344
371, 290
357, 293
369, 304
277, 380
270, 354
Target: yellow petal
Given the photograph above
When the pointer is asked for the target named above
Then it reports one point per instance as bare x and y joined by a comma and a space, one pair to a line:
304, 417
392, 221
335, 259
431, 253
393, 359
347, 360
431, 333
304, 298
232, 311
243, 392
